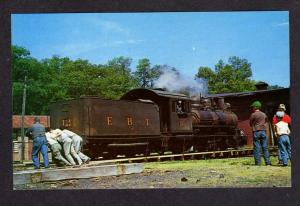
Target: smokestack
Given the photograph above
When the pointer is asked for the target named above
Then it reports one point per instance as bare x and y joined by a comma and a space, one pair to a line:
221, 103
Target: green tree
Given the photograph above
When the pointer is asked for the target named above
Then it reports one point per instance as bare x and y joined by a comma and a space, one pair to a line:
112, 80
122, 63
115, 83
57, 78
24, 65
143, 73
117, 78
146, 75
54, 78
233, 76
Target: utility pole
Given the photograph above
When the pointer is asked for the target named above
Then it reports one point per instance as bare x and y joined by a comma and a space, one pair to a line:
22, 120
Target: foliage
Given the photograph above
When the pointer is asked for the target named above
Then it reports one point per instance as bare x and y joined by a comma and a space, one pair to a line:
58, 78
233, 76
121, 63
24, 65
146, 75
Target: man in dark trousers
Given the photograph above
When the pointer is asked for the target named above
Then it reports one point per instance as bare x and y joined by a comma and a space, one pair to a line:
37, 132
286, 118
258, 121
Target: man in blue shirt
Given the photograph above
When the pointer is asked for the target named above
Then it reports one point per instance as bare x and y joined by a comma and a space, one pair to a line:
37, 132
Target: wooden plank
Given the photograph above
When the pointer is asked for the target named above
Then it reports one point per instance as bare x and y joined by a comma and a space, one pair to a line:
34, 176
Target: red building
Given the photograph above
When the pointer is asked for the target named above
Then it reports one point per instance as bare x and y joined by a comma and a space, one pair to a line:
29, 120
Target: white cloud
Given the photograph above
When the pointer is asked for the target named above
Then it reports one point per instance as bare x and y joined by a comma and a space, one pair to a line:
134, 41
128, 41
77, 48
108, 26
74, 48
281, 24
105, 34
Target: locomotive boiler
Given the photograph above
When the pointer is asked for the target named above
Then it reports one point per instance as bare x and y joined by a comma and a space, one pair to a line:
144, 121
215, 125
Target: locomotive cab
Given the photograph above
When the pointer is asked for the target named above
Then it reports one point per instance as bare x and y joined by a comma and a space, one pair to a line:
175, 116
180, 118
174, 109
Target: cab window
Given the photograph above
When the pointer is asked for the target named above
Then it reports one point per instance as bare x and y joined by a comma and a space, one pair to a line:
179, 106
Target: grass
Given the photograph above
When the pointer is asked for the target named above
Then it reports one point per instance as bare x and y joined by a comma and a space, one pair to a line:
235, 172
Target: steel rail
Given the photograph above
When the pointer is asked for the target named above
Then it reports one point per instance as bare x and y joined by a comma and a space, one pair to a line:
230, 153
185, 156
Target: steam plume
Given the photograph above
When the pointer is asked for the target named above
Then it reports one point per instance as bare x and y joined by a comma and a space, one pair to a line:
173, 81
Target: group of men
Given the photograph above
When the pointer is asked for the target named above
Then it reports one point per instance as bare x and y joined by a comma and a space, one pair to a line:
65, 146
281, 122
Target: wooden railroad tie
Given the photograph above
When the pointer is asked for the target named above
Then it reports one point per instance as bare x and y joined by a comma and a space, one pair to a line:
213, 155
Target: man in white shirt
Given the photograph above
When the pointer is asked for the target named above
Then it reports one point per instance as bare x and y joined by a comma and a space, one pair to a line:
77, 142
282, 132
56, 150
68, 147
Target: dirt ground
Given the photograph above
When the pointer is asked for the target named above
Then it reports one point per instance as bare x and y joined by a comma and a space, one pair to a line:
237, 172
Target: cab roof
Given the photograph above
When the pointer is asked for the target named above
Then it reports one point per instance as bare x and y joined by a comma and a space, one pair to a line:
142, 93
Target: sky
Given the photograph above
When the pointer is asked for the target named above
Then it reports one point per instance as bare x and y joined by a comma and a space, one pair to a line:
184, 40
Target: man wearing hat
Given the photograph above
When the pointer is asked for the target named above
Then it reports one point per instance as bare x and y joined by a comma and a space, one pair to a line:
258, 121
37, 132
286, 118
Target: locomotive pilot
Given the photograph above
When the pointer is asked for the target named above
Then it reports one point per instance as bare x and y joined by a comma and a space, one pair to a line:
258, 121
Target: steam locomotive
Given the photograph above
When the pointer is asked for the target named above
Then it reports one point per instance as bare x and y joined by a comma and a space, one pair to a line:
145, 121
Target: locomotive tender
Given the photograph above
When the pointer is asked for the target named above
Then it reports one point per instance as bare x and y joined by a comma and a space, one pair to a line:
145, 121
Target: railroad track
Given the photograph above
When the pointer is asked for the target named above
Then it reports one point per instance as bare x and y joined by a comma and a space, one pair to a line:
169, 157
185, 156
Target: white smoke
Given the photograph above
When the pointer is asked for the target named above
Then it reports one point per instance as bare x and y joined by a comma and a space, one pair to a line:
175, 82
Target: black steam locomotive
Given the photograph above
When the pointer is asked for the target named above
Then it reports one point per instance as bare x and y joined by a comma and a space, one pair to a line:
144, 121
